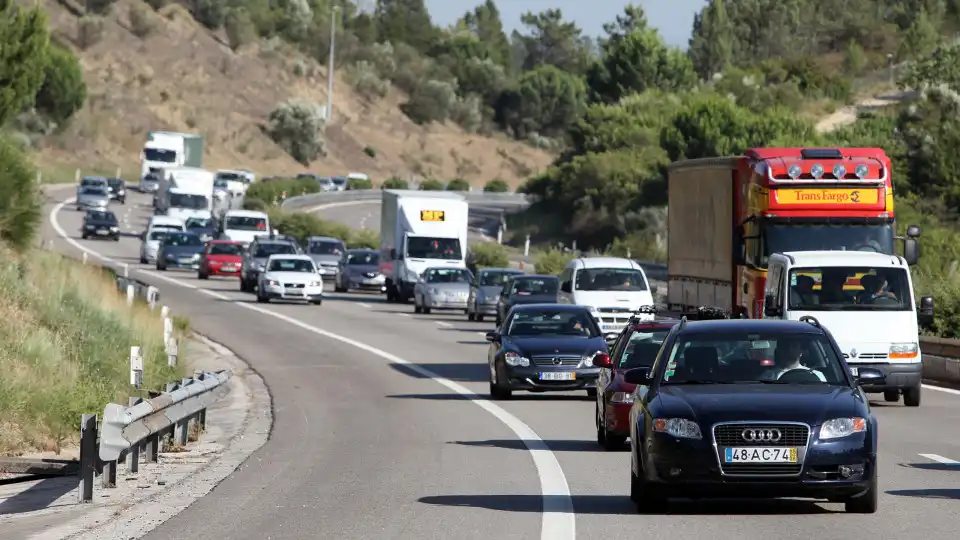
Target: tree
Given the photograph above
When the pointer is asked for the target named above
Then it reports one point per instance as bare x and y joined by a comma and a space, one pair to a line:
23, 51
711, 47
63, 91
19, 203
920, 39
484, 22
940, 68
406, 21
547, 101
552, 41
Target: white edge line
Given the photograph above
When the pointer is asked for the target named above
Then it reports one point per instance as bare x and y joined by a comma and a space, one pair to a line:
361, 304
940, 459
442, 323
941, 389
558, 521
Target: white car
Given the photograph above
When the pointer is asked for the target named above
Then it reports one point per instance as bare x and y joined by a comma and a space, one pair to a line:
150, 242
290, 277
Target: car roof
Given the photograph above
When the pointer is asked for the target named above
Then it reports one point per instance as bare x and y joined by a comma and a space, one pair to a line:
551, 305
657, 324
446, 268
842, 258
363, 250
225, 242
245, 213
509, 270
297, 256
749, 325
534, 276
323, 239
603, 262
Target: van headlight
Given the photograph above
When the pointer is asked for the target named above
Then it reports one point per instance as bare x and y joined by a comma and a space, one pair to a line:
904, 350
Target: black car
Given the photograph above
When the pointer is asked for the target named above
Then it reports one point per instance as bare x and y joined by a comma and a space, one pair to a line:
526, 289
117, 189
100, 224
752, 408
545, 347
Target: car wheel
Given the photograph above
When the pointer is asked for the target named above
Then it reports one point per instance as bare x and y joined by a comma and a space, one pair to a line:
143, 260
891, 396
203, 275
601, 430
911, 396
499, 392
116, 238
479, 317
262, 299
592, 392
867, 502
497, 321
426, 310
416, 306
83, 236
338, 288
471, 316
317, 302
609, 441
644, 497
162, 268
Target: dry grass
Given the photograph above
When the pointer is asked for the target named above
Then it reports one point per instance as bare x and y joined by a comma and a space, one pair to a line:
65, 348
183, 77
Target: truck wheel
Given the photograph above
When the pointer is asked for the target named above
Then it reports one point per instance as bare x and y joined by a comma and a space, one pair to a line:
891, 396
911, 396
480, 317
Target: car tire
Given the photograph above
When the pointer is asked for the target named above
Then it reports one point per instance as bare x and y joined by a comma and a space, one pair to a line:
609, 441
161, 268
416, 307
338, 288
645, 499
317, 302
426, 310
471, 316
479, 317
866, 503
203, 275
497, 321
601, 430
143, 260
911, 396
592, 392
83, 237
891, 396
498, 392
262, 299
116, 238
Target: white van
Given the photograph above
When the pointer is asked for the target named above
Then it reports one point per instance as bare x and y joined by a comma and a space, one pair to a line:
613, 289
243, 225
867, 302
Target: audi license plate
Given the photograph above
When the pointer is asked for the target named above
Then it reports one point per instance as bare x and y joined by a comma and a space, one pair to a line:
558, 376
760, 455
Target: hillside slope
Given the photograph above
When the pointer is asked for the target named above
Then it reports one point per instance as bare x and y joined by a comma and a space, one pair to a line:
182, 77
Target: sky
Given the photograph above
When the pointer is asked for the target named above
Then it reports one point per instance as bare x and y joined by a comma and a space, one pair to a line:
674, 18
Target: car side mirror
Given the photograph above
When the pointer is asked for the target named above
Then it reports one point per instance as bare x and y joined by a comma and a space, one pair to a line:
565, 287
925, 312
911, 250
867, 376
603, 360
770, 309
639, 376
493, 337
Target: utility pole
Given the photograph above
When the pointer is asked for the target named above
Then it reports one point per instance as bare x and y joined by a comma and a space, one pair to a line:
333, 30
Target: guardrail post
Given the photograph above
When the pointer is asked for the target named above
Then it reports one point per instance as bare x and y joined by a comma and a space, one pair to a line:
133, 460
109, 474
136, 367
202, 420
83, 257
88, 456
526, 247
126, 271
172, 351
164, 312
152, 447
181, 430
131, 293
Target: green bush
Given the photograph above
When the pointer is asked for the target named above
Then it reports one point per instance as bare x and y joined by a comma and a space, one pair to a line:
489, 255
63, 91
370, 151
551, 261
19, 197
395, 183
210, 13
302, 225
254, 204
458, 184
268, 192
431, 184
239, 28
364, 238
359, 183
297, 127
496, 186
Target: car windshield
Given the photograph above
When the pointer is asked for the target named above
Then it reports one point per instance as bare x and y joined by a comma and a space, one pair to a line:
228, 176
226, 249
422, 247
553, 322
186, 200
291, 265
850, 288
199, 223
115, 183
534, 286
159, 154
321, 247
157, 234
642, 348
448, 275
495, 278
245, 223
266, 250
739, 358
181, 239
94, 191
610, 279
363, 259
93, 181
107, 217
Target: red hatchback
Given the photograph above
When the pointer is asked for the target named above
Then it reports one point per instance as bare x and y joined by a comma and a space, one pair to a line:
637, 346
221, 258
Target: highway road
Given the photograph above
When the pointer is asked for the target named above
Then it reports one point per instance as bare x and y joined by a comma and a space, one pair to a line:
383, 431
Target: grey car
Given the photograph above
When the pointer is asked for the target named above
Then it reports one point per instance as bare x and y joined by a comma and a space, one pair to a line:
93, 198
255, 257
326, 253
360, 269
442, 287
485, 290
180, 250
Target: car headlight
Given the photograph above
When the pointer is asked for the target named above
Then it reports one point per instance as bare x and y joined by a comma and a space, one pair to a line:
677, 427
169, 256
196, 257
904, 350
587, 360
114, 229
273, 283
433, 290
842, 427
514, 359
315, 284
621, 397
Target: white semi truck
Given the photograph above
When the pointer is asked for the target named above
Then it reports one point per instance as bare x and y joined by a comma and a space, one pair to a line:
419, 230
185, 192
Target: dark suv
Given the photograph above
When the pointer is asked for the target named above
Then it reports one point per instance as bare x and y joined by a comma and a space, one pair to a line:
256, 256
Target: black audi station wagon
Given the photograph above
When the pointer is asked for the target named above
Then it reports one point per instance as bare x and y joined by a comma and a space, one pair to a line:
752, 408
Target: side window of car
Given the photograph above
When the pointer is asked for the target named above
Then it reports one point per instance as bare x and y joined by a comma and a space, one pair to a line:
620, 344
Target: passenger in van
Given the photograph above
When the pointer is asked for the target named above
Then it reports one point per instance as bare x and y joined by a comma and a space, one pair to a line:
802, 293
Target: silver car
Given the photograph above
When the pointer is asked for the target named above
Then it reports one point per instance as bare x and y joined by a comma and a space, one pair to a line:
326, 253
442, 287
93, 198
485, 291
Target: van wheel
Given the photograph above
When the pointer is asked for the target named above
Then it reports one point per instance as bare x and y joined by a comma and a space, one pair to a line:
891, 396
911, 396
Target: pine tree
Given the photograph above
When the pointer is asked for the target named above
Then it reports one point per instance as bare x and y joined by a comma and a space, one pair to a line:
405, 21
23, 56
711, 47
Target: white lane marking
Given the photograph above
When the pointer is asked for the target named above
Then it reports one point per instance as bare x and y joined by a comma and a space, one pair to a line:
441, 323
941, 389
484, 334
403, 314
940, 459
558, 520
361, 304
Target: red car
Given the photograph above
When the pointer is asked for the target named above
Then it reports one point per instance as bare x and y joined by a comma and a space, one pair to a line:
637, 346
221, 258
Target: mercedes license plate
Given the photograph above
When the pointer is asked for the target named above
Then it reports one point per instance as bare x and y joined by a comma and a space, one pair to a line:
855, 371
558, 376
760, 455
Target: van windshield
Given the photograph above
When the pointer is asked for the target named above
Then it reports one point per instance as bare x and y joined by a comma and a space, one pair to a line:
245, 223
423, 247
159, 154
185, 200
610, 279
849, 288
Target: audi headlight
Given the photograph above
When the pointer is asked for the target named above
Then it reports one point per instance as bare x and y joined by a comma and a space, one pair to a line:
621, 397
514, 359
677, 427
842, 427
904, 350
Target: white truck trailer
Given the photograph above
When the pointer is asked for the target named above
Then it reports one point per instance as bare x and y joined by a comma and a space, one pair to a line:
419, 230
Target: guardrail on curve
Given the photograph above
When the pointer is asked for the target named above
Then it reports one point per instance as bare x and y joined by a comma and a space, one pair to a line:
477, 198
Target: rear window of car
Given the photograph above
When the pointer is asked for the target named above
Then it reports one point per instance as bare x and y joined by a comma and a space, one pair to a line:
642, 348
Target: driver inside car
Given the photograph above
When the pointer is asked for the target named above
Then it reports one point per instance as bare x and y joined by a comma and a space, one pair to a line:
786, 358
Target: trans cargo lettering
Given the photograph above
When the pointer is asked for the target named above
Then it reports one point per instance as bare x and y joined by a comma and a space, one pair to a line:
826, 196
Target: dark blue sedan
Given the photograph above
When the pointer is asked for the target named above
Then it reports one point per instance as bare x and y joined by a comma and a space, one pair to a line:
180, 250
544, 347
752, 408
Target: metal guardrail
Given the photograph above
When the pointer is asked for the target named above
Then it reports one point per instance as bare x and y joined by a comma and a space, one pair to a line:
477, 198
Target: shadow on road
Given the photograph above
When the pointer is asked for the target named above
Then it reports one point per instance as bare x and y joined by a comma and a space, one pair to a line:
454, 372
933, 466
473, 343
516, 397
553, 445
38, 496
621, 505
928, 493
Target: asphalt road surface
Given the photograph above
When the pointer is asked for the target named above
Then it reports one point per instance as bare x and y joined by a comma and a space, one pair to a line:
382, 431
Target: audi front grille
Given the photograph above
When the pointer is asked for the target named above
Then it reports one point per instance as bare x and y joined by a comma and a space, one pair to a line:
730, 435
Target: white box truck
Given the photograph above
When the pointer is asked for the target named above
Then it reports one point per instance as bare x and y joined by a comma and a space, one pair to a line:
185, 192
165, 149
420, 230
